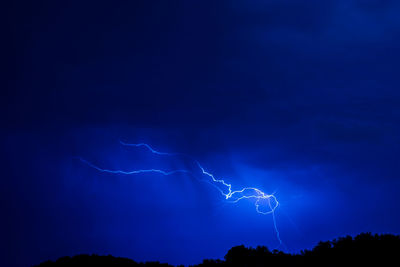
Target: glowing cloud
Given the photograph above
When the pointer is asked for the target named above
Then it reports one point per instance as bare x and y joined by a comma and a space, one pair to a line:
264, 203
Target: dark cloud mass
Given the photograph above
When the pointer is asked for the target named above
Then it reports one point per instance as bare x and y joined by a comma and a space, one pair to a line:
300, 97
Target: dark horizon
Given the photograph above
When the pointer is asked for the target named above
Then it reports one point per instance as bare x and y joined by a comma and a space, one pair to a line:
298, 99
363, 249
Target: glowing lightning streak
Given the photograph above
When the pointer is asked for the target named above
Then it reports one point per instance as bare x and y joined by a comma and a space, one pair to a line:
236, 196
132, 172
149, 148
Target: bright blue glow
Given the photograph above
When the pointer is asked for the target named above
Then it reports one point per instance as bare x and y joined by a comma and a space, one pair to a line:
234, 196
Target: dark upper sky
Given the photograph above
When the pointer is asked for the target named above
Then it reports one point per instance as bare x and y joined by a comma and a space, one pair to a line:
299, 98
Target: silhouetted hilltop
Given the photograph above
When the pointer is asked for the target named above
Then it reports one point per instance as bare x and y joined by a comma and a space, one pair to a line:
96, 260
364, 249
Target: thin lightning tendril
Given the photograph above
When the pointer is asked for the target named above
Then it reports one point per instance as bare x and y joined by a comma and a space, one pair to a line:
228, 193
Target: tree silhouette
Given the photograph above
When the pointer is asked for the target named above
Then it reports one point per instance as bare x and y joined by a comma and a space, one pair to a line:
364, 249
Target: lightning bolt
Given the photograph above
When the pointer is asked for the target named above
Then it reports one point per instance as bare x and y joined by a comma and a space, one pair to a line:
233, 196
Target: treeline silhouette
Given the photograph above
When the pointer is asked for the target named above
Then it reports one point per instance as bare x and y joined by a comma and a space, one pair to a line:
364, 249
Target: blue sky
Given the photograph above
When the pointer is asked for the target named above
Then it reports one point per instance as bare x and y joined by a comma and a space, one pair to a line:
296, 98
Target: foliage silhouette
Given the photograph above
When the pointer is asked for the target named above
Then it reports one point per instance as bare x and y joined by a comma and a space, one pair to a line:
364, 249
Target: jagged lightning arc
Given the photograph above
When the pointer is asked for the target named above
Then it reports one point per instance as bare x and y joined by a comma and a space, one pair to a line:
234, 195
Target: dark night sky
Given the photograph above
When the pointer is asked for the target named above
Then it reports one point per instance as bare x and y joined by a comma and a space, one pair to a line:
300, 98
